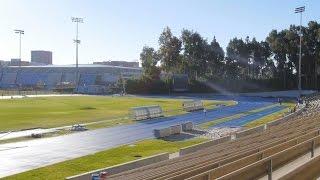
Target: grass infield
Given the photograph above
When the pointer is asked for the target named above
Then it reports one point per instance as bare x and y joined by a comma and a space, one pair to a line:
46, 112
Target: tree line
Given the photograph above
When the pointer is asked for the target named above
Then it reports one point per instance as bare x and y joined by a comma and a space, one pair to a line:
274, 59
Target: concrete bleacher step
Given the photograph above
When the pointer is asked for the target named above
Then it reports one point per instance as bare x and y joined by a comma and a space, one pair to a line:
206, 159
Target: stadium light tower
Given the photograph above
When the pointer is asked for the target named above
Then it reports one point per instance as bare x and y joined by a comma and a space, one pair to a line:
77, 41
20, 32
300, 10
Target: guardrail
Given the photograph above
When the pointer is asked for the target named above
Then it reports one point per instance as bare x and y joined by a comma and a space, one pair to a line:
123, 167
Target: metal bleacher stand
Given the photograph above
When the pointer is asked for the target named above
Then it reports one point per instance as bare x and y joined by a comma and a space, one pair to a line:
192, 105
146, 112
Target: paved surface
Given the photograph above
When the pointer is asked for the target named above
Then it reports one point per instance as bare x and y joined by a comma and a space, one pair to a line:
17, 134
23, 156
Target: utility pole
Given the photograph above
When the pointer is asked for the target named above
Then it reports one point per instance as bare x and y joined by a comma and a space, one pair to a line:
300, 10
20, 32
77, 41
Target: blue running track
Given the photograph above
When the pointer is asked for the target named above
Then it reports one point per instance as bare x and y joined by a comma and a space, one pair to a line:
238, 122
22, 156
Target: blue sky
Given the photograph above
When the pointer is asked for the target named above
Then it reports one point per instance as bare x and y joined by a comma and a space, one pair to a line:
118, 29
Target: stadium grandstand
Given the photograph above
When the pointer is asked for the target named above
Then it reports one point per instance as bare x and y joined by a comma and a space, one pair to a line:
287, 148
92, 79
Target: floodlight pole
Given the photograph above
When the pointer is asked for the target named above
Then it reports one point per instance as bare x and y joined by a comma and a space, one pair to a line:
300, 10
77, 41
123, 84
20, 32
300, 34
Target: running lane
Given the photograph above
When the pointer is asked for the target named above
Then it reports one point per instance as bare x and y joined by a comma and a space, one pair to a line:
238, 122
23, 156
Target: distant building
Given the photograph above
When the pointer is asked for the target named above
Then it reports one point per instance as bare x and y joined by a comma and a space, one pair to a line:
41, 57
4, 63
18, 62
119, 63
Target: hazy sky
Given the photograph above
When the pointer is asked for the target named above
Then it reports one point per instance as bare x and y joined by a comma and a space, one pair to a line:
118, 29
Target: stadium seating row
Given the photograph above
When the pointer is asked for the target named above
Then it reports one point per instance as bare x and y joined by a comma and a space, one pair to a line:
251, 156
87, 82
52, 77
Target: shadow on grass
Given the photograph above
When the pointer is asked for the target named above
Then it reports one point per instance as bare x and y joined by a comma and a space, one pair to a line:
179, 137
87, 108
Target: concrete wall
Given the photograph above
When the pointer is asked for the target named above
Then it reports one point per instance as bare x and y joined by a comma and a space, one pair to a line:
123, 167
200, 146
250, 131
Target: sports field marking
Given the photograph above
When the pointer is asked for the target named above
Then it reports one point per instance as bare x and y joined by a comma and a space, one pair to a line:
271, 117
236, 116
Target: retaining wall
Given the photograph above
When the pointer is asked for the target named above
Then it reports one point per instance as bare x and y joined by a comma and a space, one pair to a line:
203, 145
123, 167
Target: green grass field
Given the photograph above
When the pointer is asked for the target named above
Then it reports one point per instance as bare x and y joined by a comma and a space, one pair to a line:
48, 112
103, 159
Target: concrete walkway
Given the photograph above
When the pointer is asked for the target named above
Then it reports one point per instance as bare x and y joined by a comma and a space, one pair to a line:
276, 174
